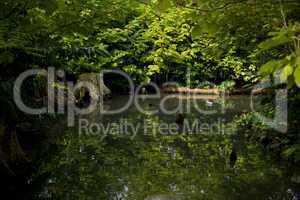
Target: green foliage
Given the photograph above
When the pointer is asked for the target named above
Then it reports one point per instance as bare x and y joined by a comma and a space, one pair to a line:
227, 85
158, 39
249, 121
271, 66
281, 37
223, 42
297, 73
288, 61
292, 152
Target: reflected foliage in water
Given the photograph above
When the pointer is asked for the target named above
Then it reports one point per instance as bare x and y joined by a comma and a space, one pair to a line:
165, 166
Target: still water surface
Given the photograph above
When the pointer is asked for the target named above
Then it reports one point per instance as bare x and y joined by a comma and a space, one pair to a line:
158, 165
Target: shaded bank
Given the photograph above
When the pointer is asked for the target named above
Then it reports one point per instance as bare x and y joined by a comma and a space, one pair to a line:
24, 136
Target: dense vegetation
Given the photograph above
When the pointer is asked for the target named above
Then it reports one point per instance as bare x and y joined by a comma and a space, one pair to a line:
231, 43
217, 41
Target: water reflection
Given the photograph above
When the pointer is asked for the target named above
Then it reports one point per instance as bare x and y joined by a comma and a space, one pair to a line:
162, 167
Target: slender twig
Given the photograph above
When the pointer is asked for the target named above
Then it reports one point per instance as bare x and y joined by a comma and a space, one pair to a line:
283, 15
285, 23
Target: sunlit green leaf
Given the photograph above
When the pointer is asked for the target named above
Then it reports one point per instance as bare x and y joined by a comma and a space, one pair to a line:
270, 67
297, 73
275, 41
286, 72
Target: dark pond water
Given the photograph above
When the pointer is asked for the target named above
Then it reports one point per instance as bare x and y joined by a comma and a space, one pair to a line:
148, 161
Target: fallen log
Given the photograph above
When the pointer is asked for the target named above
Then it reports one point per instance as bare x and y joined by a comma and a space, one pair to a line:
215, 91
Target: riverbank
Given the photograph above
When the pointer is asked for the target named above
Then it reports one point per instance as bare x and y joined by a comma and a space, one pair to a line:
215, 91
